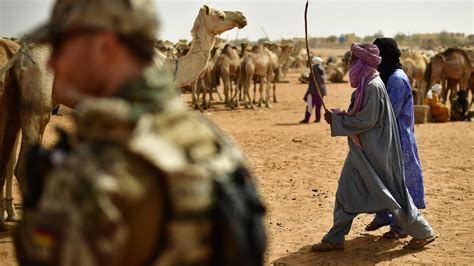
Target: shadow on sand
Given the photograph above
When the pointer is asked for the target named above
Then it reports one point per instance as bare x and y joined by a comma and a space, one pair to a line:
290, 124
365, 249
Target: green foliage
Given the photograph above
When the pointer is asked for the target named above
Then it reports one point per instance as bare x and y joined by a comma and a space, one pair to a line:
400, 37
378, 34
445, 38
331, 39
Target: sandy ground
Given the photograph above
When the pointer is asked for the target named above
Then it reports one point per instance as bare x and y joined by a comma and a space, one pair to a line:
297, 168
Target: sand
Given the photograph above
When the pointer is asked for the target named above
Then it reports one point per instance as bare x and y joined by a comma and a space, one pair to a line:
297, 168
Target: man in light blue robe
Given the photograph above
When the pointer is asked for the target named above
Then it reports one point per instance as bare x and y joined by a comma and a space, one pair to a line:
372, 178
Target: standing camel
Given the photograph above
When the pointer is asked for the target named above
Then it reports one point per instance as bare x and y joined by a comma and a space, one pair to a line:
207, 26
452, 64
206, 84
259, 65
284, 60
8, 87
414, 65
27, 107
228, 67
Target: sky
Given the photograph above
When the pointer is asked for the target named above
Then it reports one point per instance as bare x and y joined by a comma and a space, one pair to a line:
283, 18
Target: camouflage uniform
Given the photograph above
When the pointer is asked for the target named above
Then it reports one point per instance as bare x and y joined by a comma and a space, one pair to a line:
140, 157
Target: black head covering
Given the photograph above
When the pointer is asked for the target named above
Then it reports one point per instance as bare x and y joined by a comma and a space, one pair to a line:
390, 57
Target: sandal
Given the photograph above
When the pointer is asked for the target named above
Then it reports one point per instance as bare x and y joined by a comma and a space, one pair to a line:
326, 246
374, 226
394, 235
416, 244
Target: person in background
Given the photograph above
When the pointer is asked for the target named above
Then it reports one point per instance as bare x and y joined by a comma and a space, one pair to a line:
460, 107
439, 111
311, 97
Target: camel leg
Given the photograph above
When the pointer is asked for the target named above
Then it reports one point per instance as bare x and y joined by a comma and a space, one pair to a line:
33, 124
3, 228
254, 91
11, 127
422, 92
195, 99
274, 91
247, 98
237, 93
226, 81
9, 207
444, 92
241, 93
472, 92
193, 93
204, 94
267, 92
233, 91
260, 90
234, 99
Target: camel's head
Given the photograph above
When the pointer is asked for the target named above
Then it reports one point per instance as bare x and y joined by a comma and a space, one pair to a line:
217, 21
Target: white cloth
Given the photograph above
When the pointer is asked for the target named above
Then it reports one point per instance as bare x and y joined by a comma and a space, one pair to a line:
429, 95
437, 88
316, 60
309, 103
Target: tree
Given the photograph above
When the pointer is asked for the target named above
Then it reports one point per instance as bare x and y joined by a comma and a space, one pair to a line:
445, 38
400, 37
368, 39
331, 39
378, 34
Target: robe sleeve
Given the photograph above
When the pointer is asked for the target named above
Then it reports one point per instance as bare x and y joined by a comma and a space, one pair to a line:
365, 119
399, 92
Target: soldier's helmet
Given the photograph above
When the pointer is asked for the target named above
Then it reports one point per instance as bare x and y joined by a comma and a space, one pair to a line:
135, 18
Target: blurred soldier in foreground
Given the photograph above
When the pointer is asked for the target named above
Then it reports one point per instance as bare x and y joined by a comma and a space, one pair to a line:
142, 181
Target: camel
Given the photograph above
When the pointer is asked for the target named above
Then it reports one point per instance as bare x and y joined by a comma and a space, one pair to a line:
228, 68
243, 51
207, 83
27, 107
335, 72
208, 24
414, 65
259, 65
299, 55
453, 63
7, 50
285, 61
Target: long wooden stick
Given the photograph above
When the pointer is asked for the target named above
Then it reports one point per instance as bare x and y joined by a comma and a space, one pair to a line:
309, 56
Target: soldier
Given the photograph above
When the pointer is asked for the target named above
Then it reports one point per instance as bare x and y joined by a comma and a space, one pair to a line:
142, 181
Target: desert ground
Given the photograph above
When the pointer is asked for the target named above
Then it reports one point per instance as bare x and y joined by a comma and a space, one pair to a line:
297, 168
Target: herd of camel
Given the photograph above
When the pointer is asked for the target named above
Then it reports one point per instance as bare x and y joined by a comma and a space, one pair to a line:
453, 68
238, 66
26, 83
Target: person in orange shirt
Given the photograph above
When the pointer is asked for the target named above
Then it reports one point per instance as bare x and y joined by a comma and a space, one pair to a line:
439, 111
